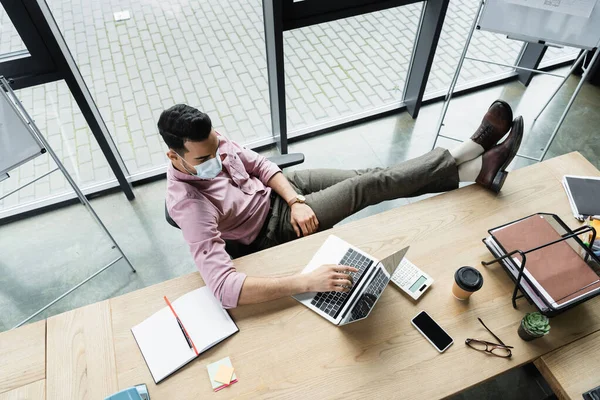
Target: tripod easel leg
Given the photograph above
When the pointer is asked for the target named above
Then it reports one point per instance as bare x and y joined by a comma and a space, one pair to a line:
573, 67
456, 74
571, 101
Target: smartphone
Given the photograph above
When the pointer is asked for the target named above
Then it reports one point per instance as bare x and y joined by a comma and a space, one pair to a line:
432, 331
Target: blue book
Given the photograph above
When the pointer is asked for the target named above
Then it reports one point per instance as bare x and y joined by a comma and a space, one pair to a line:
138, 392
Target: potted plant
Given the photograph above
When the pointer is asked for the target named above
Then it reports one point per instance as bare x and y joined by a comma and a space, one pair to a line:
534, 325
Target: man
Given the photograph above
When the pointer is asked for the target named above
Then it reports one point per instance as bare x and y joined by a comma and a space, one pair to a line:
218, 190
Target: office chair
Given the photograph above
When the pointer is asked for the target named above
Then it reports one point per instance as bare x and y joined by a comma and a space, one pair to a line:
233, 248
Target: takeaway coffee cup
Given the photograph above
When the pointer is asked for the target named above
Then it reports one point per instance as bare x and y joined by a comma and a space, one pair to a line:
467, 280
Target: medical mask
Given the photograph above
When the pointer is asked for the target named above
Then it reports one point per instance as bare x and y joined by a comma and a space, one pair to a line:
209, 169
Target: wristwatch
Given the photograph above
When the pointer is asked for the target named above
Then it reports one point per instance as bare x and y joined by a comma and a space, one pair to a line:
298, 199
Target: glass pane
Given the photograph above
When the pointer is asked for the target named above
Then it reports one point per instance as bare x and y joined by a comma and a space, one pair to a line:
341, 68
556, 55
154, 54
10, 41
484, 45
58, 118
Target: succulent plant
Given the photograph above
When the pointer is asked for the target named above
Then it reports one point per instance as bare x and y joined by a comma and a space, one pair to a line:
536, 324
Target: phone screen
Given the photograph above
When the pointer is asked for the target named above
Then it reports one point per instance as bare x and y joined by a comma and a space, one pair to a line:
436, 335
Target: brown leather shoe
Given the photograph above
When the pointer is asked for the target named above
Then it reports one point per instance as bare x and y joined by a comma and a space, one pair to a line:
495, 161
496, 122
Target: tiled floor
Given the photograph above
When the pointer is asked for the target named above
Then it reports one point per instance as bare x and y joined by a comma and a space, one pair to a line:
210, 54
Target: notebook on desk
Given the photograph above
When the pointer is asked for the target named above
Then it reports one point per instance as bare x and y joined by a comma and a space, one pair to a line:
162, 341
584, 195
558, 271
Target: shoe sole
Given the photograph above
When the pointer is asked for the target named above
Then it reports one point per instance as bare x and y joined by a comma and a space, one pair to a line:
498, 181
501, 175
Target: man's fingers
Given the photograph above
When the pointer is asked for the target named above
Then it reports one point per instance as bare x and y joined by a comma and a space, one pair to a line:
315, 225
343, 282
304, 229
346, 268
340, 289
296, 229
339, 275
310, 227
316, 221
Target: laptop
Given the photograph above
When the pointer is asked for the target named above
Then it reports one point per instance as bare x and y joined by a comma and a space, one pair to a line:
341, 308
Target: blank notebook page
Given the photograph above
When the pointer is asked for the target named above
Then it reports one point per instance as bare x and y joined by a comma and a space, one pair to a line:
204, 318
162, 344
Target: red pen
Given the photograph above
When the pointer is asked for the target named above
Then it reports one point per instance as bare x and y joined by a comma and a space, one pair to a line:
187, 337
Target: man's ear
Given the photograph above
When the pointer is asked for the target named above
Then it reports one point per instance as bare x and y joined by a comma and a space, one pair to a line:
173, 156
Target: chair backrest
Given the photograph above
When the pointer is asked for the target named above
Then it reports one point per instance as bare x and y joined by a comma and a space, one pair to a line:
169, 219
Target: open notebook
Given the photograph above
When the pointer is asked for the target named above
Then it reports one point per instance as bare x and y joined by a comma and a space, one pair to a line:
162, 341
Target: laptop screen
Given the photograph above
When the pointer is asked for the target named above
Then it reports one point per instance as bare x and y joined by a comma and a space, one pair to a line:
391, 262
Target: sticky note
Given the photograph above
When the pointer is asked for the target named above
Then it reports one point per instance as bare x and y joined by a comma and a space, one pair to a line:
224, 374
213, 373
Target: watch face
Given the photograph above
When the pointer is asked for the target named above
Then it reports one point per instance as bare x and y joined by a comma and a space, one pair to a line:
301, 198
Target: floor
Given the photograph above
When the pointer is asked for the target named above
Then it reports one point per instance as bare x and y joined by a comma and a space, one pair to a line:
43, 256
211, 54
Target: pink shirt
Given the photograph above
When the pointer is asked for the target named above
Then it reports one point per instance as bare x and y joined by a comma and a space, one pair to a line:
232, 206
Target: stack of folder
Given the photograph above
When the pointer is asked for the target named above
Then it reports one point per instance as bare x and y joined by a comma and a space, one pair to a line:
554, 277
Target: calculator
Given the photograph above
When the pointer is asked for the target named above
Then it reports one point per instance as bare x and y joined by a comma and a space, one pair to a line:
411, 279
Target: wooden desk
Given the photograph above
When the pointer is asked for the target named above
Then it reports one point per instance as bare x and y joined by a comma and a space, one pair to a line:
81, 358
284, 350
23, 362
573, 369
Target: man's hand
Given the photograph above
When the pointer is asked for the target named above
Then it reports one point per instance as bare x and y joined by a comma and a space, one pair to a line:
329, 278
303, 219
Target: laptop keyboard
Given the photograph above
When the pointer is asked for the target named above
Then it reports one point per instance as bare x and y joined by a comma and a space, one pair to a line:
369, 297
332, 303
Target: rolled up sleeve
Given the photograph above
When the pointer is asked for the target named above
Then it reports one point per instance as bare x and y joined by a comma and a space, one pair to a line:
198, 222
257, 164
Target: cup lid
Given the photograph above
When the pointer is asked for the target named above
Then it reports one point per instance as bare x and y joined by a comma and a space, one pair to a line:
469, 279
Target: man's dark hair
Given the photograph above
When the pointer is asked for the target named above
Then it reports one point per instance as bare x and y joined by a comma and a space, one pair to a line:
182, 123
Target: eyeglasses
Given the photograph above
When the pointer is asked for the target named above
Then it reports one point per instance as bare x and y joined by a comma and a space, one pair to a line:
498, 350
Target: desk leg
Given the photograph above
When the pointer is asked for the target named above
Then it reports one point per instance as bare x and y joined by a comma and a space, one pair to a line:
550, 378
428, 34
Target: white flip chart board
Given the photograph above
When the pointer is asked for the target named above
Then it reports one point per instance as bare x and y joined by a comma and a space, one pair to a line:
573, 23
18, 142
